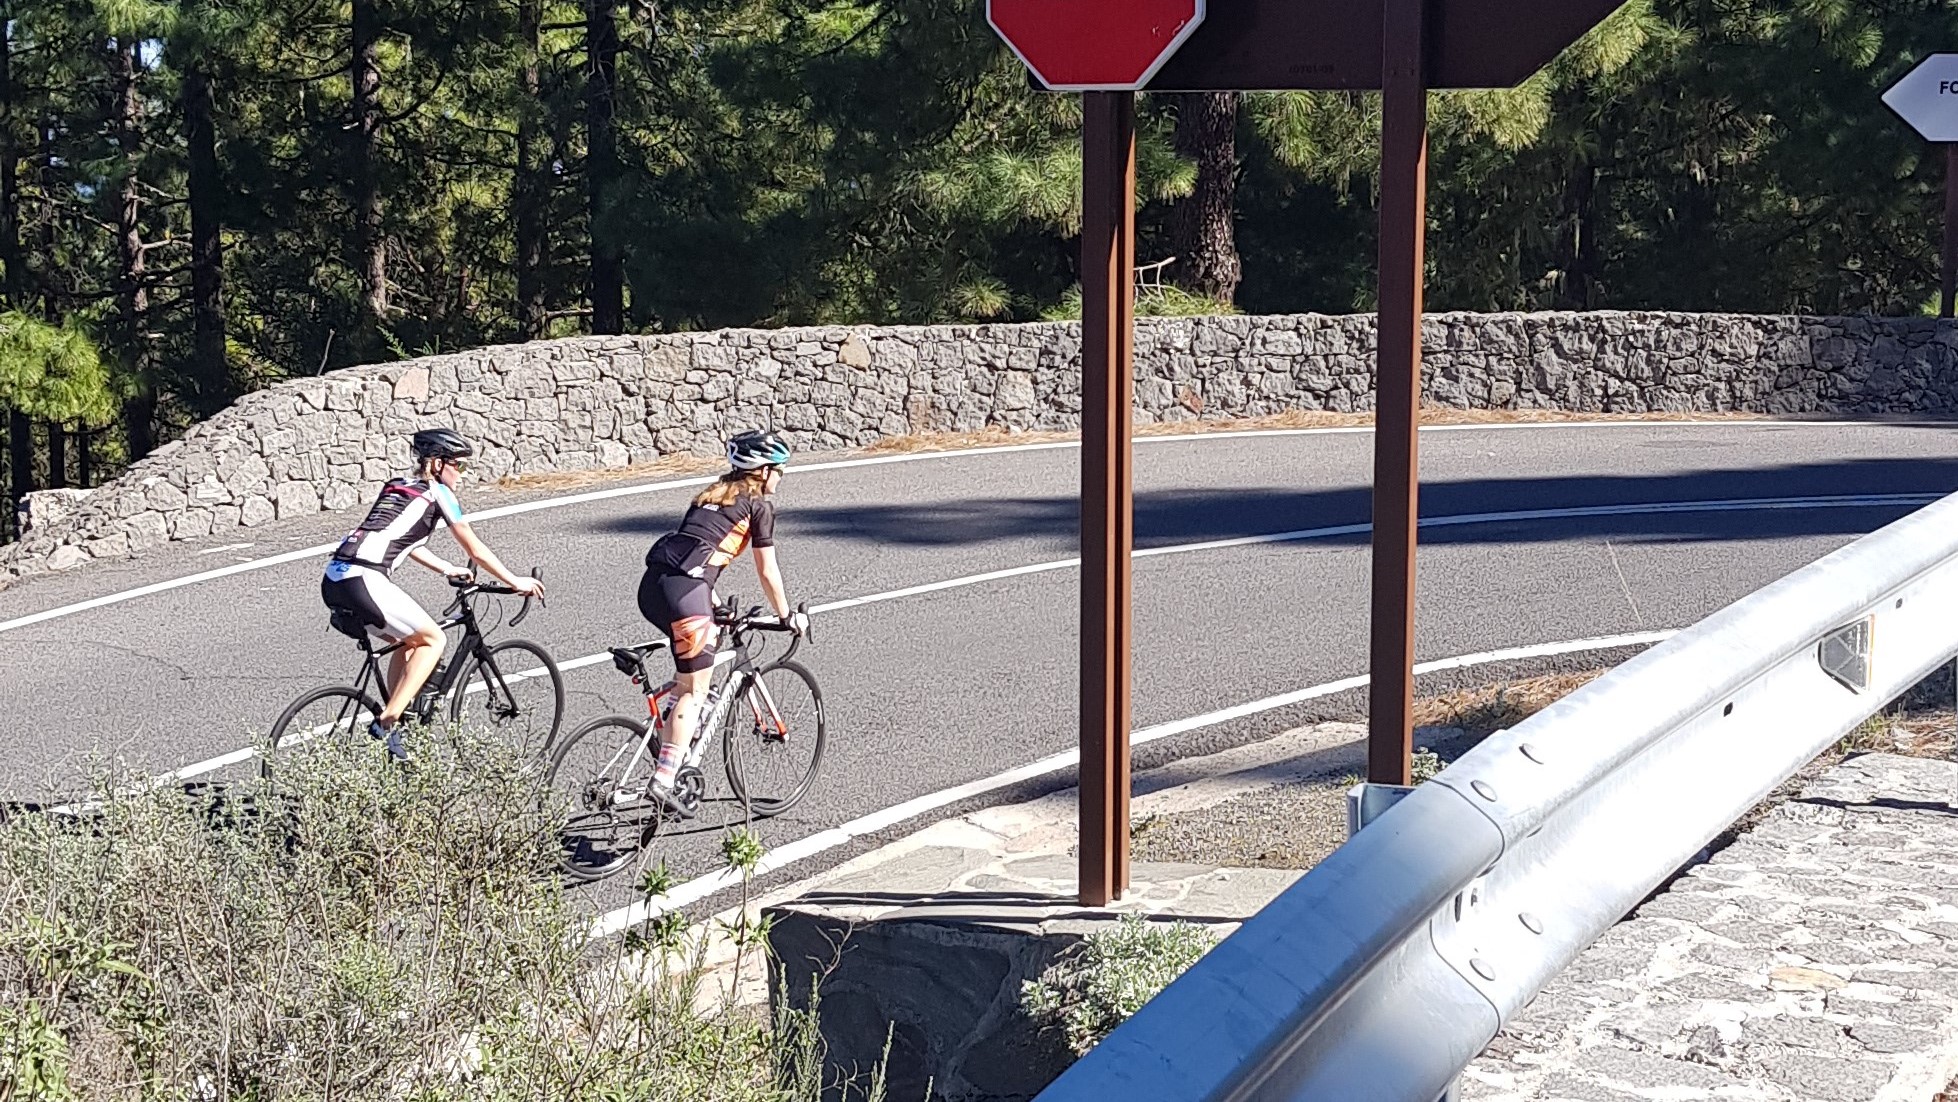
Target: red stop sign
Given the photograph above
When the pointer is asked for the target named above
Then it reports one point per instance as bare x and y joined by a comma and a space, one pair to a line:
1094, 45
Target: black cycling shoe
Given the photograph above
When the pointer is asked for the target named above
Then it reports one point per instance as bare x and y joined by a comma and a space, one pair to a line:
391, 736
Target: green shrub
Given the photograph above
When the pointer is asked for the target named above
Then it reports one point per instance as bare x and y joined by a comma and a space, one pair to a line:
1095, 985
364, 931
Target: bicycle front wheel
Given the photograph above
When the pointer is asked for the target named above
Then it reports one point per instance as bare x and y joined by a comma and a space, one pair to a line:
336, 713
515, 691
774, 736
598, 782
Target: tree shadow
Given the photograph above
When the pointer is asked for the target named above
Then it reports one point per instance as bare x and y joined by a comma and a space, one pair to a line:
1167, 518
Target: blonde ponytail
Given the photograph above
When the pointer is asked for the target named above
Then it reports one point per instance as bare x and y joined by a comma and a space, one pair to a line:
732, 486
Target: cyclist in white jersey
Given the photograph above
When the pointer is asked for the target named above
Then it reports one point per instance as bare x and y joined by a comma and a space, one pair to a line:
397, 527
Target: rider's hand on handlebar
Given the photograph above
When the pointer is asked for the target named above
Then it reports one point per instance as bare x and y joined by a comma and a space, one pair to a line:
798, 622
529, 587
459, 575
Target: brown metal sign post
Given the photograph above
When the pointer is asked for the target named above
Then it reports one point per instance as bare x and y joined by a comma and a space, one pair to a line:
1107, 486
1104, 49
1404, 47
1948, 279
1397, 389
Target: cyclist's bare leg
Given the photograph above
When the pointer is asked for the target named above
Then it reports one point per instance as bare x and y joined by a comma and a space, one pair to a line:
409, 670
690, 690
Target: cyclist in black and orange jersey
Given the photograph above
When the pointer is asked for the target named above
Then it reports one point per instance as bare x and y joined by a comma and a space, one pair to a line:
677, 592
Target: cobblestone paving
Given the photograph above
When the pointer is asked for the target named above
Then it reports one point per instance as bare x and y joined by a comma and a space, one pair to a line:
1814, 959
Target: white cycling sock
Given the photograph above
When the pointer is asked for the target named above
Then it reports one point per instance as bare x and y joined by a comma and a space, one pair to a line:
670, 758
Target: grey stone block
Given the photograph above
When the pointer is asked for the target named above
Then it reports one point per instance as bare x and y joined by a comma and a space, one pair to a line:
1831, 1079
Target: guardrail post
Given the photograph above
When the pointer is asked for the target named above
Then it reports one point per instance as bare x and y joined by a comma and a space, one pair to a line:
1107, 486
1397, 389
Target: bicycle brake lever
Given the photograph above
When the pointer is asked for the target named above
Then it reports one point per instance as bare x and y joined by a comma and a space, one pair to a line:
525, 610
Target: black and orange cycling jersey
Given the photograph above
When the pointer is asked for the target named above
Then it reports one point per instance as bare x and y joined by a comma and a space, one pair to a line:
711, 536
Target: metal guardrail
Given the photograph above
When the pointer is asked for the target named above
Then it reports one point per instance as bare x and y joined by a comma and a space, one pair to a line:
1383, 971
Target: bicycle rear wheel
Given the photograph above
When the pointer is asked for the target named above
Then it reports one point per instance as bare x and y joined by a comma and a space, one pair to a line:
598, 779
336, 712
515, 691
774, 737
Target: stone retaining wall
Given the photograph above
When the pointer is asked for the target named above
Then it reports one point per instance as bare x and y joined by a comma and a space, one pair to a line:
325, 443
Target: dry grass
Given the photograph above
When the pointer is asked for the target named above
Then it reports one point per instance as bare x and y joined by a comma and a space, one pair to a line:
1291, 419
1920, 724
672, 465
1486, 709
958, 441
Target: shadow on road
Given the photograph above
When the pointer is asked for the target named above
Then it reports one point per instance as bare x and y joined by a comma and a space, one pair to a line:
1171, 517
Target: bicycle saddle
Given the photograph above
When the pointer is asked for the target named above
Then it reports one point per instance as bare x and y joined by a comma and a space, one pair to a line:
627, 659
347, 623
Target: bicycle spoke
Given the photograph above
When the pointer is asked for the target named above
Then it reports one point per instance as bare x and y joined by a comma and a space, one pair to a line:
595, 787
514, 691
775, 738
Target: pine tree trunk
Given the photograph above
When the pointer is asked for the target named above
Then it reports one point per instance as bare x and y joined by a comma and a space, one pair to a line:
601, 164
13, 285
1205, 232
85, 457
531, 188
210, 372
1578, 290
368, 236
132, 285
20, 455
50, 299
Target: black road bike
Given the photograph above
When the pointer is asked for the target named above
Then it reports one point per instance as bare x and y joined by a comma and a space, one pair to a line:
512, 687
771, 723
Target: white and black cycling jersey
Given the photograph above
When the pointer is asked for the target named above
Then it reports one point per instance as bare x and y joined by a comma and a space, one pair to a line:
402, 519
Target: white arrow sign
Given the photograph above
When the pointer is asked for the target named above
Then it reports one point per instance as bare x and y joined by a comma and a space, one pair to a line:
1927, 98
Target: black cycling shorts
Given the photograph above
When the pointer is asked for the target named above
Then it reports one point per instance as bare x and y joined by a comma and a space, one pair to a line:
373, 600
683, 608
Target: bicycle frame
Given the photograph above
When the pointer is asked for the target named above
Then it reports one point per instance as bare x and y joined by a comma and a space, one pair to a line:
473, 643
736, 684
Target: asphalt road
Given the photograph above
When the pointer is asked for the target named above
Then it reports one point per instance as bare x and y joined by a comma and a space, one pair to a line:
945, 687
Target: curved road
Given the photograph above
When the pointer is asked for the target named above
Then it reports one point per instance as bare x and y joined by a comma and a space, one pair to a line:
1534, 534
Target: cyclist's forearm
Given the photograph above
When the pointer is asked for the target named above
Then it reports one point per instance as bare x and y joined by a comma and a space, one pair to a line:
433, 561
774, 590
482, 556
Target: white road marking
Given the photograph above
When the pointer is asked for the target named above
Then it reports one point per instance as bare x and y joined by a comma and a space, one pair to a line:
1731, 505
870, 461
801, 849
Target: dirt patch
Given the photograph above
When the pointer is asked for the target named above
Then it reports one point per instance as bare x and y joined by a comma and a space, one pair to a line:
1296, 825
1949, 1094
1292, 826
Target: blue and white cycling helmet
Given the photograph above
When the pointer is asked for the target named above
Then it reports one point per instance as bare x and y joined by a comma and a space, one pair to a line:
751, 451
